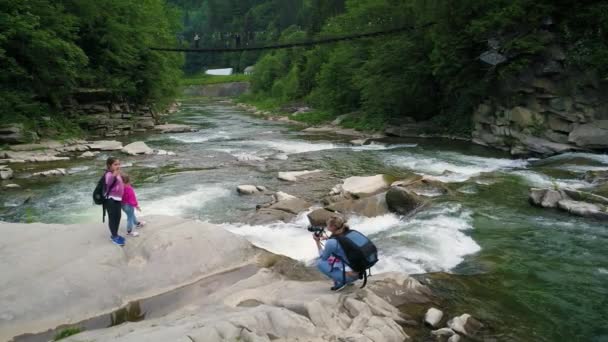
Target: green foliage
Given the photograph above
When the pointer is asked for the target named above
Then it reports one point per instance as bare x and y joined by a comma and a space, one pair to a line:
67, 333
48, 49
432, 72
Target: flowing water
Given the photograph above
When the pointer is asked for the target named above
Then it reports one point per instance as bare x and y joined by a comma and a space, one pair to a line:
531, 274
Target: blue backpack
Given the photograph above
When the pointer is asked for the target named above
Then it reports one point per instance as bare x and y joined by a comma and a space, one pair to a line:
360, 251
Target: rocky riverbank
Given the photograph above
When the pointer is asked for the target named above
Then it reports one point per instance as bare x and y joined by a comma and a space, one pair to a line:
232, 292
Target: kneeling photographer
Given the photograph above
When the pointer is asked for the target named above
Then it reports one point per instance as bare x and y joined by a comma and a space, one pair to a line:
332, 258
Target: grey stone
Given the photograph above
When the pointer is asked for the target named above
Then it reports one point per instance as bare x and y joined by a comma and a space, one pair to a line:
138, 147
558, 124
465, 324
557, 137
403, 201
294, 175
293, 206
524, 117
369, 206
433, 317
105, 145
5, 172
561, 104
592, 135
88, 154
50, 173
12, 134
584, 209
551, 198
247, 189
358, 187
173, 128
578, 195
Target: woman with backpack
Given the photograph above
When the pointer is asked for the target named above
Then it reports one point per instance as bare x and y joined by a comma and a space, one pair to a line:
113, 191
332, 258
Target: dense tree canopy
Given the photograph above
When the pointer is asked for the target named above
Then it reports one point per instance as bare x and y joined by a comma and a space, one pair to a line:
433, 71
50, 48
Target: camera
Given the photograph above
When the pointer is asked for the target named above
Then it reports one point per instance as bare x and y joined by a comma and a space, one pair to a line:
318, 231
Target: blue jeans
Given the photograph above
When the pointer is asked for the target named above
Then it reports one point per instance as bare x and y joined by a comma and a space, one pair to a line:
334, 272
131, 218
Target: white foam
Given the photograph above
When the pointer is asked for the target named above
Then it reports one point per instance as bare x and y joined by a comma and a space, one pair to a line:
453, 167
292, 146
182, 204
434, 240
543, 181
375, 146
197, 137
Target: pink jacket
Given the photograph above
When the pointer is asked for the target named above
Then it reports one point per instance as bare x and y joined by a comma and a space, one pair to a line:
128, 197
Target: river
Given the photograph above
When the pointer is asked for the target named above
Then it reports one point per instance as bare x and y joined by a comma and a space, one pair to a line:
530, 274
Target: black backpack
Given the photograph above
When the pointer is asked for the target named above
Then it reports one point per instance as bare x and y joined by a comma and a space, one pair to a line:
100, 194
360, 251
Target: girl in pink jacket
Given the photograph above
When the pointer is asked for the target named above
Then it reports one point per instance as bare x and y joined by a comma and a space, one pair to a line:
129, 204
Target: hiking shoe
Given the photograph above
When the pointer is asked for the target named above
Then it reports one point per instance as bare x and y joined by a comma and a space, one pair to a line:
338, 288
118, 240
133, 234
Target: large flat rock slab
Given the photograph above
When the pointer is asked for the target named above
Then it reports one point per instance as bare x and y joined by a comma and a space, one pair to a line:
58, 274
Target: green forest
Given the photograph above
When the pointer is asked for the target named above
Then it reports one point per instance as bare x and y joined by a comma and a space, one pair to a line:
50, 48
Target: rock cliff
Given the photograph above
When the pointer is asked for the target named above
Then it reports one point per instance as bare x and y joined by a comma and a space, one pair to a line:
548, 109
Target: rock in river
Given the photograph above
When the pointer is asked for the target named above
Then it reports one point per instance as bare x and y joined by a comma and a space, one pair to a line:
105, 145
51, 173
294, 175
465, 324
173, 128
5, 172
433, 317
138, 147
247, 189
364, 186
403, 201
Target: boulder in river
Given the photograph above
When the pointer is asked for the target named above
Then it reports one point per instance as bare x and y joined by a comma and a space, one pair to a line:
358, 187
138, 147
465, 324
247, 189
443, 334
433, 317
370, 206
50, 173
403, 201
293, 206
294, 175
174, 128
584, 209
5, 172
575, 202
88, 154
105, 145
